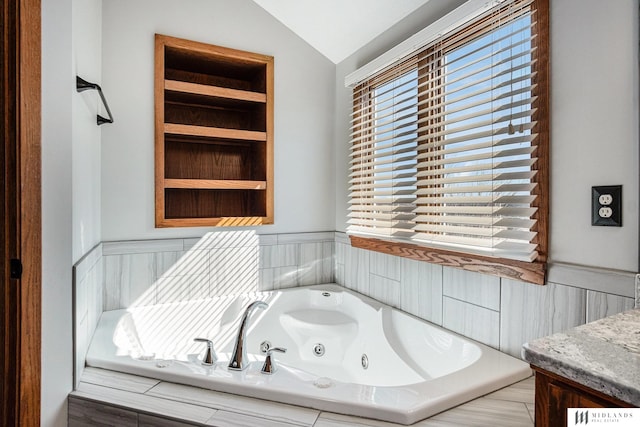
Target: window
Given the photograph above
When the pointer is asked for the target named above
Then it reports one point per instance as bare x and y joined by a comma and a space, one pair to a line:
449, 148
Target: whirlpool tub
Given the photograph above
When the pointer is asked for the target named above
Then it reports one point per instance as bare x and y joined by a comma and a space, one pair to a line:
346, 353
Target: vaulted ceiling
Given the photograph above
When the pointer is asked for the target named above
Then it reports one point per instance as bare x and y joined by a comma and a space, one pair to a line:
338, 28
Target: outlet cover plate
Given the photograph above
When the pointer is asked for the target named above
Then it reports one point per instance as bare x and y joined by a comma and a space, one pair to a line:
615, 220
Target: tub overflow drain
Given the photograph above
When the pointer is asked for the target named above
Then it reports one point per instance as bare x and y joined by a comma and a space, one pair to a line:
326, 294
365, 361
318, 350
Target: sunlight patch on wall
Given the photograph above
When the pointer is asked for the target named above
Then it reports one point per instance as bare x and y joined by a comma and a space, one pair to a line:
220, 263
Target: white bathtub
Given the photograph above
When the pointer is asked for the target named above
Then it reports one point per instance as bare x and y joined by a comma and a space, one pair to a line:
414, 370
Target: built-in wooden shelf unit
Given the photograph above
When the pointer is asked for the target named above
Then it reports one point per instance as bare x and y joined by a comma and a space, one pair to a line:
214, 135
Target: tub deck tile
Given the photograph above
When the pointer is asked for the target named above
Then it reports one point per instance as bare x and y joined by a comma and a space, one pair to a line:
532, 412
234, 419
329, 419
119, 380
509, 407
226, 402
519, 392
483, 412
143, 403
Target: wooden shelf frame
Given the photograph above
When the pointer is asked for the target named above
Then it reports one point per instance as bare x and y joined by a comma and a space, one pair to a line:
198, 79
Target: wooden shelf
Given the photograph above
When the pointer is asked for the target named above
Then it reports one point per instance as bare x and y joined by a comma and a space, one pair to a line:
232, 221
214, 91
210, 132
215, 184
214, 135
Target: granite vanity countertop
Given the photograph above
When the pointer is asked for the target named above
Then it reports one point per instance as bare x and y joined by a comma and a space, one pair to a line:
603, 355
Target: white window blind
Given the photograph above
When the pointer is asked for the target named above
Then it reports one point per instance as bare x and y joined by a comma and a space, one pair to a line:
443, 142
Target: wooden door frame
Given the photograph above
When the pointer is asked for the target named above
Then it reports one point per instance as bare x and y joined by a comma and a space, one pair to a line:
20, 233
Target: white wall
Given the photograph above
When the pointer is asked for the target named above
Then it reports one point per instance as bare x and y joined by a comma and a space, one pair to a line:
86, 60
58, 88
70, 185
304, 82
594, 125
594, 128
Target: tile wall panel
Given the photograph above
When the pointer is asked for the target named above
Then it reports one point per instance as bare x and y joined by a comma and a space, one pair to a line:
288, 264
176, 269
468, 286
421, 289
473, 321
129, 280
87, 305
80, 292
147, 272
285, 277
81, 342
316, 263
339, 275
151, 421
234, 270
601, 305
533, 311
500, 312
144, 403
357, 271
88, 261
192, 262
385, 265
385, 290
95, 295
86, 413
180, 288
341, 249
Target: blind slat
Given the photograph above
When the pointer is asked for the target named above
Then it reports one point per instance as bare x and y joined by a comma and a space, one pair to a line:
482, 96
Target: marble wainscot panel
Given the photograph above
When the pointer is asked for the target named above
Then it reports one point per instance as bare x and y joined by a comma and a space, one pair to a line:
603, 355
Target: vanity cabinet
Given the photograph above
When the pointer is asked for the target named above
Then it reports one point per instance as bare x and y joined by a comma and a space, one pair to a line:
554, 394
213, 135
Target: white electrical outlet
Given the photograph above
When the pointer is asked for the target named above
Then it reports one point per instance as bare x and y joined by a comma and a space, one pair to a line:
605, 212
605, 200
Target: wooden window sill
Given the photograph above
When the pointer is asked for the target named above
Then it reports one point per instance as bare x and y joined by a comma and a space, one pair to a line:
531, 272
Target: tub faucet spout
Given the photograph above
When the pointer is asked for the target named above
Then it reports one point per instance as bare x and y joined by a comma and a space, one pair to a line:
239, 355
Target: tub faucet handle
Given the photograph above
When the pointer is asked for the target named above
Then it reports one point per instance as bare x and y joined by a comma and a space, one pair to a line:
269, 366
210, 356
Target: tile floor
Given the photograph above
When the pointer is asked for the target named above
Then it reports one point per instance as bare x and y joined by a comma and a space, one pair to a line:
104, 396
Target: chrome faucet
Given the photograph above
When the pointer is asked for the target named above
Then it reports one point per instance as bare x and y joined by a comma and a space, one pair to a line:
239, 355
